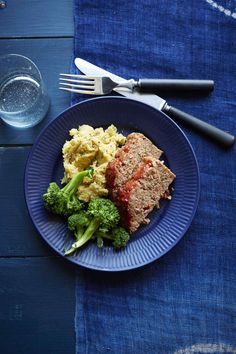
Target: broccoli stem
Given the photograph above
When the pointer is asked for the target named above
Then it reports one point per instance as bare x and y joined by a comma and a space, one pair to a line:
79, 232
107, 236
93, 226
75, 182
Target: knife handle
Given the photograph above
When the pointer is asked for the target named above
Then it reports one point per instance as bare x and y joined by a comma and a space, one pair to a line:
153, 85
216, 135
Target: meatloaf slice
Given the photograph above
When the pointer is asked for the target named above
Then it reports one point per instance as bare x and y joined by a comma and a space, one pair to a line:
142, 192
127, 159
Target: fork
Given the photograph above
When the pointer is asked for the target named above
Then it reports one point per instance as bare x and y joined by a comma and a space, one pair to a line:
91, 85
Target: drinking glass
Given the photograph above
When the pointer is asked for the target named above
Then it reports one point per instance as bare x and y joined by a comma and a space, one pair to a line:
23, 98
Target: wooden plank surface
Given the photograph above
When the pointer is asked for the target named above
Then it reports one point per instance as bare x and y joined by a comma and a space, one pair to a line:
34, 18
37, 287
52, 56
37, 306
18, 234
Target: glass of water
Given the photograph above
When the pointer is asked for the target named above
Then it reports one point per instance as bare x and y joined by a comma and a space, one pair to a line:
23, 99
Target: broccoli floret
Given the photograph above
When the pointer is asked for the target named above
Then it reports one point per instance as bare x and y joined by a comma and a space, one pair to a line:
118, 235
64, 201
105, 212
77, 223
52, 201
104, 216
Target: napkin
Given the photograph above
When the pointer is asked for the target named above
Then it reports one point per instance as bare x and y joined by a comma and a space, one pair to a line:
185, 301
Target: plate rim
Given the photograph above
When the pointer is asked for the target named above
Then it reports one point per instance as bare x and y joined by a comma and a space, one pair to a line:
125, 268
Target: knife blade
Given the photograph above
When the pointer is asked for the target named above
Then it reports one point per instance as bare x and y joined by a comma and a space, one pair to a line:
213, 133
93, 70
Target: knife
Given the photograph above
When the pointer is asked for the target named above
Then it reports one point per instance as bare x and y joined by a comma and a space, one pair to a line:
213, 133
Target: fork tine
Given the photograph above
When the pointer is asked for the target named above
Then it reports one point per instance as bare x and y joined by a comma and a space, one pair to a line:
91, 87
79, 76
78, 81
77, 91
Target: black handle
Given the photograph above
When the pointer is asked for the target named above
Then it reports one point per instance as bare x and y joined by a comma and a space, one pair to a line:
215, 134
153, 85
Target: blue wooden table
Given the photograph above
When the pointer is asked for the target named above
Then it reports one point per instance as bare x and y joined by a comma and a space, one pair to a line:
37, 288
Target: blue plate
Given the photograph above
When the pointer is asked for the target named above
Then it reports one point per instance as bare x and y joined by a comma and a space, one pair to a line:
167, 225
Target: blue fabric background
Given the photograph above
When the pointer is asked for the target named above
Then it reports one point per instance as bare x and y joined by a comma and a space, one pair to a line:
186, 301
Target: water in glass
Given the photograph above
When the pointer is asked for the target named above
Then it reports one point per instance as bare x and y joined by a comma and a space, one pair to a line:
23, 101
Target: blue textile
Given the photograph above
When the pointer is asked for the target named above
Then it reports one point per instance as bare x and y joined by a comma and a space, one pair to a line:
184, 302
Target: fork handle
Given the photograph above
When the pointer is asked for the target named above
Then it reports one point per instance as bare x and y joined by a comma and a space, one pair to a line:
153, 85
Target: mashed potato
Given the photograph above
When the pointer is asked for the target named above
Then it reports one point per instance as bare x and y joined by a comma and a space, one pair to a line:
90, 147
